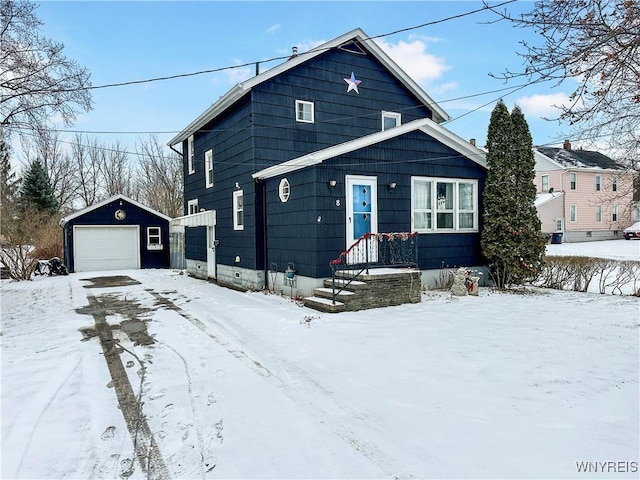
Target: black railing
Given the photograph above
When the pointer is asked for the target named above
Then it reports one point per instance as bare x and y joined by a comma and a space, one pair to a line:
374, 250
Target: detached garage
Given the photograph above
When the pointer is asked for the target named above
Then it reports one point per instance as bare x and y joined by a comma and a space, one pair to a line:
116, 234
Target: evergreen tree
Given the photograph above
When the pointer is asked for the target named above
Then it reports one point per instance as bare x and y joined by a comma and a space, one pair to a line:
9, 183
527, 225
36, 192
511, 240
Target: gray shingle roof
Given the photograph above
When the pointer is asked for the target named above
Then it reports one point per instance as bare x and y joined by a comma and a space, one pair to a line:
580, 158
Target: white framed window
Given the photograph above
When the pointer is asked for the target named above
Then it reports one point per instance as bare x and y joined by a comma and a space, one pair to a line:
558, 224
154, 238
390, 120
573, 213
544, 180
573, 181
598, 183
284, 190
192, 206
614, 184
614, 213
598, 213
238, 210
304, 111
190, 154
208, 168
444, 204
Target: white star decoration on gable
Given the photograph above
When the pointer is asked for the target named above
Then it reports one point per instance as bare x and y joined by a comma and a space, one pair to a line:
353, 83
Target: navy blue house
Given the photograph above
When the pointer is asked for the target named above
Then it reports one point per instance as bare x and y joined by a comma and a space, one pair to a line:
290, 167
115, 234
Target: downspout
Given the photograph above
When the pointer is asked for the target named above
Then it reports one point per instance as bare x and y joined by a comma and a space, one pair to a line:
264, 232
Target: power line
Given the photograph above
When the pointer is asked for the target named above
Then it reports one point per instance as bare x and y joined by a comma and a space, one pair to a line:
284, 57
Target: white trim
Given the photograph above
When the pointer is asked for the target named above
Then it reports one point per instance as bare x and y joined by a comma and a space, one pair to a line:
154, 246
190, 154
426, 125
284, 190
358, 35
107, 201
200, 219
192, 203
455, 211
208, 168
575, 175
304, 103
235, 209
394, 115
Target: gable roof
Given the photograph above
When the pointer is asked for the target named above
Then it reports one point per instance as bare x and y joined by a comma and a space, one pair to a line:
425, 125
95, 206
542, 198
579, 158
239, 90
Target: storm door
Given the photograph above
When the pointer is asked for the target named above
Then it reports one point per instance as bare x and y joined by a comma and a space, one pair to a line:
362, 217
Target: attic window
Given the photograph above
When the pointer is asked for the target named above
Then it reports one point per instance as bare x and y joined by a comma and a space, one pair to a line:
390, 120
304, 111
352, 47
284, 190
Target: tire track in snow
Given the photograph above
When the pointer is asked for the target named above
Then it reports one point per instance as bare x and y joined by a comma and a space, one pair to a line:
386, 462
206, 462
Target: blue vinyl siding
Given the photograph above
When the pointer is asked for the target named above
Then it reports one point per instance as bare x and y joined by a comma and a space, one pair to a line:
295, 235
195, 243
260, 130
105, 215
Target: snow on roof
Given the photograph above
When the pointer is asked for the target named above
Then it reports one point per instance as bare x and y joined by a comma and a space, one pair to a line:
580, 158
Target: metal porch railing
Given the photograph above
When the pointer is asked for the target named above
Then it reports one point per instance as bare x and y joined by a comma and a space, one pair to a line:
374, 250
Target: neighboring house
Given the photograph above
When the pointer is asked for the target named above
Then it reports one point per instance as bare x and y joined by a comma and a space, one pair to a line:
115, 234
582, 194
288, 169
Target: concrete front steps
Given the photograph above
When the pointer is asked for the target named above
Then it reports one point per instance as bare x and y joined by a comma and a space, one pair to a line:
381, 287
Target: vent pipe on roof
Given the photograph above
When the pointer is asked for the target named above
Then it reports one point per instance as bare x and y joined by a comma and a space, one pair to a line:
567, 145
257, 68
294, 52
472, 142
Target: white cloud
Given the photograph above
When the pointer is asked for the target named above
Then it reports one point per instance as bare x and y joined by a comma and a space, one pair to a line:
543, 105
414, 59
273, 28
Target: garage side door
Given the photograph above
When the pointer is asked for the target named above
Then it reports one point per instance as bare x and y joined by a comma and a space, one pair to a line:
106, 248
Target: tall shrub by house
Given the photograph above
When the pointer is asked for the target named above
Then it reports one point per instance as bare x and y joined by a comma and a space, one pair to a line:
511, 240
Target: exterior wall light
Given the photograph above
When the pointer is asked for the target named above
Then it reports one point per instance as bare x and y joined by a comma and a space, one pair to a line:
332, 183
392, 185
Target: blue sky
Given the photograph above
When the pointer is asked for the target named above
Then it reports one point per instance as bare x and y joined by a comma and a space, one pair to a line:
122, 41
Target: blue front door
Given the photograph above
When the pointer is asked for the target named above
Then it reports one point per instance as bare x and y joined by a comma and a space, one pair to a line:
362, 212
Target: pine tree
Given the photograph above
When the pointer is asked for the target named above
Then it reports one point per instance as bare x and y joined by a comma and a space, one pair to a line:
36, 192
9, 184
511, 240
527, 226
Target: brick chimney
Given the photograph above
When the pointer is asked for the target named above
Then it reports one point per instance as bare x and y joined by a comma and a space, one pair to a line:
567, 145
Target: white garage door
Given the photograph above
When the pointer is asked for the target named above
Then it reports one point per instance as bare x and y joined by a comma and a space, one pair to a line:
106, 248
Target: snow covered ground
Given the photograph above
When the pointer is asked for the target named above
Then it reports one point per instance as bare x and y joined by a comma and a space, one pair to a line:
249, 385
